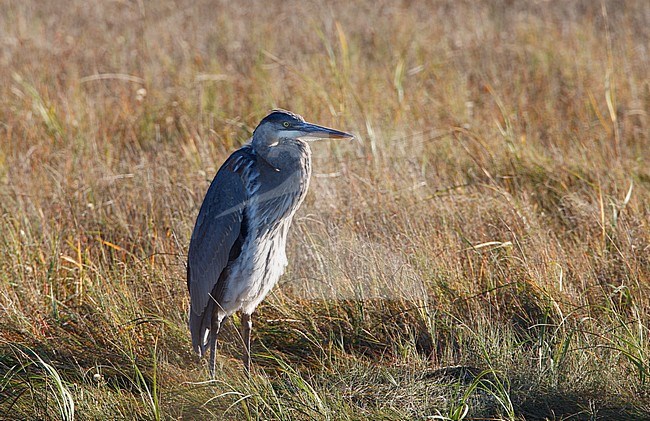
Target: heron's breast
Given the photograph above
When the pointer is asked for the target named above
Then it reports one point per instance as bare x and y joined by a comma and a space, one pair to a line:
261, 263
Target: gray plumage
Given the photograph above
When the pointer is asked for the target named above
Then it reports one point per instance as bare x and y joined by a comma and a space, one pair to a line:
237, 250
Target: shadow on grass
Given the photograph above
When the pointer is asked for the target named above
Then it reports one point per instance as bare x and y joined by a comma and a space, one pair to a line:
558, 405
540, 404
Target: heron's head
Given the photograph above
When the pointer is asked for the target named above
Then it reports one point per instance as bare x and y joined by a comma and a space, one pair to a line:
281, 125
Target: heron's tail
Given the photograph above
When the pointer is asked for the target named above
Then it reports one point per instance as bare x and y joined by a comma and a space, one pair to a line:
200, 327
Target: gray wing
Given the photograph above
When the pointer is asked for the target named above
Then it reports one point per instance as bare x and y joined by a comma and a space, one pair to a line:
216, 231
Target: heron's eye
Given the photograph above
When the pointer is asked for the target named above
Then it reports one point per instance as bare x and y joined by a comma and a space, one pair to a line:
285, 124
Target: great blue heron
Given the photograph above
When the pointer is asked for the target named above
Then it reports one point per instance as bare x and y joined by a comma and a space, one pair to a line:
237, 250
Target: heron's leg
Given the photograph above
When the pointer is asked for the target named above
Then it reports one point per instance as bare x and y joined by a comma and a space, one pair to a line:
246, 327
214, 332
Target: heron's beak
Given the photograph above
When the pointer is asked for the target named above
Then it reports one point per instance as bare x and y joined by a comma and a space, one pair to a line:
313, 132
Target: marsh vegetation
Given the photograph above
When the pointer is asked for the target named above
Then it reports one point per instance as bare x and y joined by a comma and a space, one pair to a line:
481, 251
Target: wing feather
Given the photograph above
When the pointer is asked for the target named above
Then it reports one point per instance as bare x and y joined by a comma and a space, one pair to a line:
217, 228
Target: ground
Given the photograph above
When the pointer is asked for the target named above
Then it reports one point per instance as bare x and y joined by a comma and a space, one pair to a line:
480, 251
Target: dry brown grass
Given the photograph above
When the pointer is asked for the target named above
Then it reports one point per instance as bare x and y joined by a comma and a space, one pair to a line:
494, 212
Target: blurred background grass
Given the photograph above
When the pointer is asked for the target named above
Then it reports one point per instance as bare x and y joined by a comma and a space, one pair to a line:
482, 249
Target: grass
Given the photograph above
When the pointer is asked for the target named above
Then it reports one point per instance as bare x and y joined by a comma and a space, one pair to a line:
482, 251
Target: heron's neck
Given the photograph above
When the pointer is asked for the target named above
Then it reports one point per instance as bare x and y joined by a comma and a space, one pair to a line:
293, 155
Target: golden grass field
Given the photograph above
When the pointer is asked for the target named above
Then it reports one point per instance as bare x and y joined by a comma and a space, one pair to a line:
480, 251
